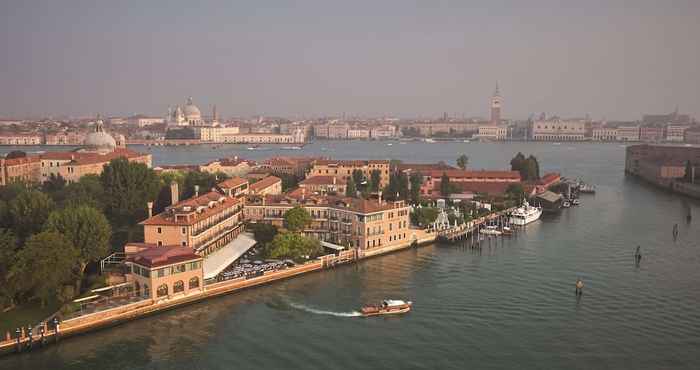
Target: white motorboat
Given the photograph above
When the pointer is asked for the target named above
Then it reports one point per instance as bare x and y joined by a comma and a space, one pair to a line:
525, 214
576, 202
566, 204
491, 230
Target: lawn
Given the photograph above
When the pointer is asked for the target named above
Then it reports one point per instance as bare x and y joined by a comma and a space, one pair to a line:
29, 313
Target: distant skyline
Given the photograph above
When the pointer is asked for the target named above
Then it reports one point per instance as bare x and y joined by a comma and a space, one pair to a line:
612, 59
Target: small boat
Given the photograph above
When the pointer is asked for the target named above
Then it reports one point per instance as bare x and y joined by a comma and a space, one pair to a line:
566, 204
576, 202
467, 141
491, 230
291, 148
429, 140
389, 144
586, 189
387, 307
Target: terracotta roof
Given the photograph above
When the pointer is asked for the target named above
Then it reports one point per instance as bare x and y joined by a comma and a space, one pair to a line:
424, 166
232, 183
482, 174
79, 158
191, 216
265, 182
323, 180
488, 187
298, 197
350, 162
20, 161
162, 256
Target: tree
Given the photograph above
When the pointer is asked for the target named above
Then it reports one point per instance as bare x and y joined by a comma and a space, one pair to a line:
44, 266
375, 180
87, 229
516, 192
351, 189
204, 180
29, 211
424, 216
263, 232
16, 154
533, 168
296, 219
358, 177
294, 246
462, 161
445, 186
289, 181
55, 183
8, 250
415, 181
127, 188
517, 164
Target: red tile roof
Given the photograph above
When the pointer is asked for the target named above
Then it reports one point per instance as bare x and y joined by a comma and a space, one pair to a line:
351, 162
323, 180
168, 217
481, 174
162, 256
20, 161
264, 183
232, 183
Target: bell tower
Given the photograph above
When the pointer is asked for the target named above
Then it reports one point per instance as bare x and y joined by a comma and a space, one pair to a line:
496, 103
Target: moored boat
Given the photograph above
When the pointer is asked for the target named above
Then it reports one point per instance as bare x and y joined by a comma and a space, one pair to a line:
491, 230
525, 214
387, 307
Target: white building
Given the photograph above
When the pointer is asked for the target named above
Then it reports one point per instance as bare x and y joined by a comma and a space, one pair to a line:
189, 115
605, 134
383, 132
628, 133
493, 132
558, 130
216, 134
358, 133
676, 132
143, 121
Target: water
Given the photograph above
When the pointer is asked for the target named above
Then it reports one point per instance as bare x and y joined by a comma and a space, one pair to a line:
511, 305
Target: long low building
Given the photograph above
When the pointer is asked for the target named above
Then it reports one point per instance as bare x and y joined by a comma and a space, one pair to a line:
344, 169
483, 181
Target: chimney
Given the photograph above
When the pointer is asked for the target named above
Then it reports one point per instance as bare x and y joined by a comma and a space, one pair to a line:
303, 193
334, 180
196, 190
380, 197
174, 193
150, 209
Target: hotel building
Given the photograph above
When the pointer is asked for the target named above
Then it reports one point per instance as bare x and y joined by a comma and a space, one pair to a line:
344, 169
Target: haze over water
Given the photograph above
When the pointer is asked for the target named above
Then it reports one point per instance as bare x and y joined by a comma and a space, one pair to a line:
512, 305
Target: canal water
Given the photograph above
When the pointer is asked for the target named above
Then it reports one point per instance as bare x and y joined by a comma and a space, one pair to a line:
509, 305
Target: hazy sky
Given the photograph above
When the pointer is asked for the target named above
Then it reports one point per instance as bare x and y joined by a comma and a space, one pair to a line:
610, 58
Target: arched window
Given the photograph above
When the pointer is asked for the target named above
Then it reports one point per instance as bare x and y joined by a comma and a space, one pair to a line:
162, 290
146, 291
179, 286
194, 282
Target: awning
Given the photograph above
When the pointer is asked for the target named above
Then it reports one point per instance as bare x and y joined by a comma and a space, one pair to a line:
216, 262
332, 246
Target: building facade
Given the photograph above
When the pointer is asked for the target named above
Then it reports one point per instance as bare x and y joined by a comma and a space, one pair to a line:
495, 132
344, 169
628, 133
676, 133
26, 170
345, 221
165, 272
490, 182
269, 185
558, 130
20, 139
604, 134
230, 166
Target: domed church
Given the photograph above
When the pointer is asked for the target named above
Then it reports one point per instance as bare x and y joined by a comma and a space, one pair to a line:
189, 115
99, 141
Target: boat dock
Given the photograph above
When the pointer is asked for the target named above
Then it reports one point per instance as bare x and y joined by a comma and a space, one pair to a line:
473, 232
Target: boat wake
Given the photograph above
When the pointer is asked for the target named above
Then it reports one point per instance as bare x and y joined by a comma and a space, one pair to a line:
322, 312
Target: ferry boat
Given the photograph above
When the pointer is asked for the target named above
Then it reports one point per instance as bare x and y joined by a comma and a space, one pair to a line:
525, 214
387, 307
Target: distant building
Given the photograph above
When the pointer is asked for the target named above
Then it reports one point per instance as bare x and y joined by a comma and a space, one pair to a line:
296, 166
558, 130
338, 131
692, 135
324, 184
628, 133
651, 133
494, 132
20, 139
676, 132
604, 134
297, 137
489, 182
358, 133
230, 166
216, 134
143, 121
344, 169
64, 138
321, 131
383, 132
187, 115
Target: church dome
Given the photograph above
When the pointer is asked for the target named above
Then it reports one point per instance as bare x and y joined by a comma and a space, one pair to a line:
191, 111
99, 140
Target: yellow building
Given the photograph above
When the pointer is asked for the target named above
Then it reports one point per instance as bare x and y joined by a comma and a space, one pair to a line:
344, 169
165, 272
346, 221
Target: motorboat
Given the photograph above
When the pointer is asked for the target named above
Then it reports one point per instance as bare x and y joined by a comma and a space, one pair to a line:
506, 230
566, 204
586, 189
429, 140
525, 214
491, 230
576, 202
291, 148
387, 307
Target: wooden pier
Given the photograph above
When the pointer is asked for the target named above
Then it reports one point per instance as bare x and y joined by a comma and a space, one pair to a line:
470, 231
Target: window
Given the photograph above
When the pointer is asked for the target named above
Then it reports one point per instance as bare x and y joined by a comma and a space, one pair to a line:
194, 265
179, 268
159, 243
162, 290
184, 243
194, 283
160, 231
179, 286
146, 291
184, 230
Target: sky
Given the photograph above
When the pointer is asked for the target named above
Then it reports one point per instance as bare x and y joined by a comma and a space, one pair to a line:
612, 59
